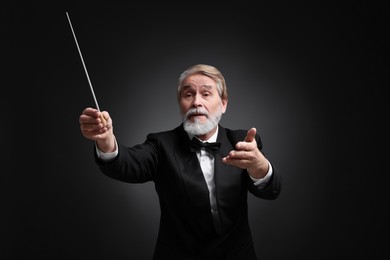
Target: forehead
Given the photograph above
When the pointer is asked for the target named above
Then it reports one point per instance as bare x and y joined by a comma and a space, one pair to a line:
198, 80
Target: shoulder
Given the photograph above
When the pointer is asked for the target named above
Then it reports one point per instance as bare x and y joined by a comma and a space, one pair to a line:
238, 135
167, 135
235, 135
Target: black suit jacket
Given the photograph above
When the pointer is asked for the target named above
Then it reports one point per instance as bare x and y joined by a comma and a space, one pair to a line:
186, 228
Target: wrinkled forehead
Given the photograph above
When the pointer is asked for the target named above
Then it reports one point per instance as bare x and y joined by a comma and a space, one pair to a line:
198, 80
204, 87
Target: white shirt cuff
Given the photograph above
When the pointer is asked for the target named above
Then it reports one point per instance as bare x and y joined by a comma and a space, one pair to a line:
261, 182
106, 156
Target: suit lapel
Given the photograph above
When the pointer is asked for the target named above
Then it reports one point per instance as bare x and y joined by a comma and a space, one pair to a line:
227, 178
191, 174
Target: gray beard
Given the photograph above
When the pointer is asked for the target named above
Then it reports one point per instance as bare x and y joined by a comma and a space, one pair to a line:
198, 128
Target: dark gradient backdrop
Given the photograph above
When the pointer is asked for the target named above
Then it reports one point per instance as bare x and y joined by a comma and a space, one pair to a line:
306, 75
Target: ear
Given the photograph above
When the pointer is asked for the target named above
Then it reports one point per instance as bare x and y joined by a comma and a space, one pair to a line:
224, 105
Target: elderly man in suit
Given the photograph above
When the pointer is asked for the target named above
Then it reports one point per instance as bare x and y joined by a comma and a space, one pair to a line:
202, 171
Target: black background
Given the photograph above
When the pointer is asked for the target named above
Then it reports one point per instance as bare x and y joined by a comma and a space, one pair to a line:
309, 76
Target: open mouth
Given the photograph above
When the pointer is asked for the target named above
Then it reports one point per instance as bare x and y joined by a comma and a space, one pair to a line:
196, 115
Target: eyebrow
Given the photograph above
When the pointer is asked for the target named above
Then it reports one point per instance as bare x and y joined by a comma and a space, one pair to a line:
203, 86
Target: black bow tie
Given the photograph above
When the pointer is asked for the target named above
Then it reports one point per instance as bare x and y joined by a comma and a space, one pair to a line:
212, 148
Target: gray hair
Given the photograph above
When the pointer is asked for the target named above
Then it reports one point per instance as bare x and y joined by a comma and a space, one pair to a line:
208, 71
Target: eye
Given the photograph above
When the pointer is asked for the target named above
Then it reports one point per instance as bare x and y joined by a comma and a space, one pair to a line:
188, 94
206, 94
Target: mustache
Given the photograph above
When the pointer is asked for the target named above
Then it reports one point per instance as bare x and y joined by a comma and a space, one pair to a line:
193, 111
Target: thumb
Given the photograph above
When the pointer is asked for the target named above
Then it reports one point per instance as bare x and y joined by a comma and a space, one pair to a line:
250, 135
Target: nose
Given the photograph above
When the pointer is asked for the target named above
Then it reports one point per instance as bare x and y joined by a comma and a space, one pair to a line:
197, 102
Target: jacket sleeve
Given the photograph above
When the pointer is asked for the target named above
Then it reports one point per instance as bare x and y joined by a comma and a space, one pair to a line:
135, 164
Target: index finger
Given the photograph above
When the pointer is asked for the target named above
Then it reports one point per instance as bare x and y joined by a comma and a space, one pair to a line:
89, 111
250, 135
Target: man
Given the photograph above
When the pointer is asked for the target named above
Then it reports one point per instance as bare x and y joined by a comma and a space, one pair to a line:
202, 191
